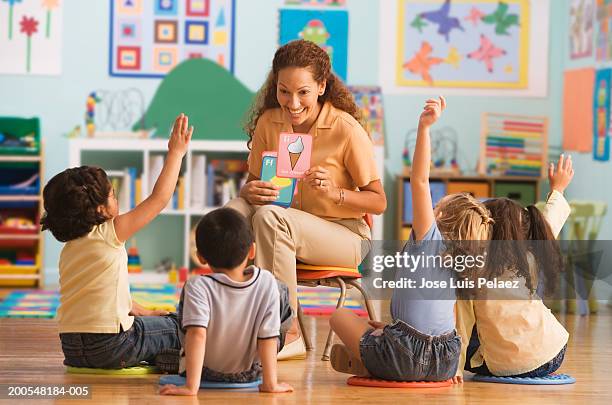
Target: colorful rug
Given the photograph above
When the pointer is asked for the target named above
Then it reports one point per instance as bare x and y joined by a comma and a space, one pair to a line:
322, 301
29, 304
156, 296
319, 301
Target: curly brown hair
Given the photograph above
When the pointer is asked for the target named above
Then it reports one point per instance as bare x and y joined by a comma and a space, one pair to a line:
71, 201
303, 54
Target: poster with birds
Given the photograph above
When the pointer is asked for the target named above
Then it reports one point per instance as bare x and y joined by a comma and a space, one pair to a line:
31, 37
463, 43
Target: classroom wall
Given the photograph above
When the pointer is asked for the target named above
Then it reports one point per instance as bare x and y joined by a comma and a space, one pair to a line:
60, 100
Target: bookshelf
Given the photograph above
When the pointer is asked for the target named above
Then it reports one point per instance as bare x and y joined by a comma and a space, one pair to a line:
524, 189
21, 174
141, 154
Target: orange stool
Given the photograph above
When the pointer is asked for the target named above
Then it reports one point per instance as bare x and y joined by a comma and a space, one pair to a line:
329, 276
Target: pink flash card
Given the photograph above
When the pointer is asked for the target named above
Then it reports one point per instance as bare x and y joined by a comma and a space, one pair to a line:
294, 151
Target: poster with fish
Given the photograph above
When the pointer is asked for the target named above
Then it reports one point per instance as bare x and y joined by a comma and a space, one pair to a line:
474, 44
601, 115
294, 151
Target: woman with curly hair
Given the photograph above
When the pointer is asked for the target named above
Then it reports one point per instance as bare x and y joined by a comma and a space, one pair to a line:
325, 223
100, 325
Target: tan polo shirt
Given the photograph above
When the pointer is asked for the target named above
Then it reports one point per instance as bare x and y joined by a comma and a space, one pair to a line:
516, 336
94, 290
339, 144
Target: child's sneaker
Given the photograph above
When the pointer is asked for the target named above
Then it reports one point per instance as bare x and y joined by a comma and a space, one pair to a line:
167, 361
295, 350
342, 362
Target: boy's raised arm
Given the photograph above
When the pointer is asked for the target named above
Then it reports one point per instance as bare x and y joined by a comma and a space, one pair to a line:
131, 222
423, 216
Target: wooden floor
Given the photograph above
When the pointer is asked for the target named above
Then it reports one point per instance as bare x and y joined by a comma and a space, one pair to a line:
30, 353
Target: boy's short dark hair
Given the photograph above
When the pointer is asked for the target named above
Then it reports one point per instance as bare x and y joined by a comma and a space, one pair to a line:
223, 238
71, 200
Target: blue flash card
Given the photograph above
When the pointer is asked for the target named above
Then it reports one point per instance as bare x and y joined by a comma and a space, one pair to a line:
287, 186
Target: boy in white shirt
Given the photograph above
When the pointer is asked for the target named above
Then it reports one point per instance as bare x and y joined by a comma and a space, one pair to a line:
230, 320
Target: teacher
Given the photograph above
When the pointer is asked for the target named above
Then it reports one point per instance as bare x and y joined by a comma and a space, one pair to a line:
325, 224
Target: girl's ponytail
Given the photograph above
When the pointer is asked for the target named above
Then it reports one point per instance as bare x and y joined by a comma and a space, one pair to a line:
545, 249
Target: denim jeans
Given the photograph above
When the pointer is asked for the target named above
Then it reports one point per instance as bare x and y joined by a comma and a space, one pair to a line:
148, 336
402, 353
542, 371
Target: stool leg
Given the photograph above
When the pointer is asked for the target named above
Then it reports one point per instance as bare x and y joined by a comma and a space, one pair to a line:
307, 341
366, 298
330, 335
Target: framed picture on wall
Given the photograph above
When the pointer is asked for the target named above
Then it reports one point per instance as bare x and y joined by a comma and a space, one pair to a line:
148, 38
465, 47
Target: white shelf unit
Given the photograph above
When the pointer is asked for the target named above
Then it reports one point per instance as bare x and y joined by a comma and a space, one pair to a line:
160, 146
156, 146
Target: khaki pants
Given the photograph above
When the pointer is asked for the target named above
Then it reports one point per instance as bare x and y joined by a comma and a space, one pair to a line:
283, 235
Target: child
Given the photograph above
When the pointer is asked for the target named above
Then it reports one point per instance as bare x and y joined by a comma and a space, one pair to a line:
230, 319
421, 343
99, 324
513, 333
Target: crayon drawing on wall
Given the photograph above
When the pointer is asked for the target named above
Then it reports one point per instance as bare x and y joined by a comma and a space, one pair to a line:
326, 28
148, 38
31, 37
582, 14
482, 46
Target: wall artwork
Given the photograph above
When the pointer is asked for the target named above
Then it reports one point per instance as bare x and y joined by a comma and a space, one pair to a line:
326, 28
582, 16
149, 38
601, 115
463, 44
603, 40
31, 37
369, 100
578, 88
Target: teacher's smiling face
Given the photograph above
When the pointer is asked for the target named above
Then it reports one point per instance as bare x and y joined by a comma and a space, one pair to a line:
297, 93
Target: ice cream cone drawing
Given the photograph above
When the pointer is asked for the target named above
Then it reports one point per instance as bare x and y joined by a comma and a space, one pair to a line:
295, 151
294, 155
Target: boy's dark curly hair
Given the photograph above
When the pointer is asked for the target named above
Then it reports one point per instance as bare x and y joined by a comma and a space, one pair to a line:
71, 200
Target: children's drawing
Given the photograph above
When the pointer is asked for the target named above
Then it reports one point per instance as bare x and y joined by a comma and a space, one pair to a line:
441, 17
467, 43
326, 28
582, 14
32, 41
149, 40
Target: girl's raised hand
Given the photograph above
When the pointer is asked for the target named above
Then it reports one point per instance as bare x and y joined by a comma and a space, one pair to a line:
432, 111
180, 136
561, 177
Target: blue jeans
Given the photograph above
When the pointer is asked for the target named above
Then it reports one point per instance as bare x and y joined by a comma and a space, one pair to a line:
402, 353
148, 337
542, 371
